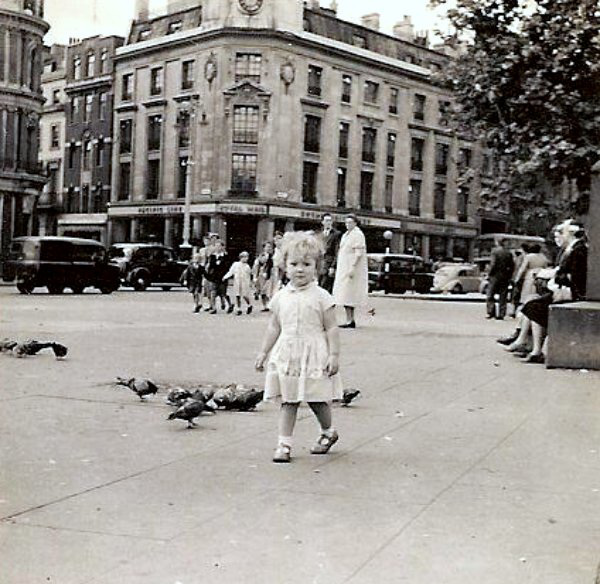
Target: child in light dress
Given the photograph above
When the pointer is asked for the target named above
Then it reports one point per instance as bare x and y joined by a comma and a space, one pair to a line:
264, 272
242, 276
303, 342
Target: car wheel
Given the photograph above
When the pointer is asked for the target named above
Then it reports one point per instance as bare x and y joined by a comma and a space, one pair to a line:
107, 289
77, 288
140, 281
55, 288
24, 287
458, 289
166, 288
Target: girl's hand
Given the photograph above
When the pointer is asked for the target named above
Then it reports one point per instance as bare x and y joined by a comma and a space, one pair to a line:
333, 365
259, 363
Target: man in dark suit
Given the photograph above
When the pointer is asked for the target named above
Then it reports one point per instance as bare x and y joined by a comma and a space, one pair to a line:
331, 241
500, 274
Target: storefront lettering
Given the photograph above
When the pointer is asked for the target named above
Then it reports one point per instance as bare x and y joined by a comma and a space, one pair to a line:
243, 209
161, 210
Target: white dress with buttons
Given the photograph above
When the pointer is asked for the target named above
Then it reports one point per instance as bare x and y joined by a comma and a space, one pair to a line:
296, 367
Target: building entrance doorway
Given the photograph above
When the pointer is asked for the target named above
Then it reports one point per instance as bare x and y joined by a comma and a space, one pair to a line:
241, 235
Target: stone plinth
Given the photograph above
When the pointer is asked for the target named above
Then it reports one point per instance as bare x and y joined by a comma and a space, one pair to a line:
574, 336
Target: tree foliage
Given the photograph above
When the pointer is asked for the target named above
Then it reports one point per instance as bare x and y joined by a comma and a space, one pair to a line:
527, 81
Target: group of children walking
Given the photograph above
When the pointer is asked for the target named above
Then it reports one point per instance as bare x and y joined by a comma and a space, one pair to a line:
301, 348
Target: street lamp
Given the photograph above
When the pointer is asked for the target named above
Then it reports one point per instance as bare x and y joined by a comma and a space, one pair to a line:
190, 111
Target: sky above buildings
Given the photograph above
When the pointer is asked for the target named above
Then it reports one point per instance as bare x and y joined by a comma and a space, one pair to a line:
82, 18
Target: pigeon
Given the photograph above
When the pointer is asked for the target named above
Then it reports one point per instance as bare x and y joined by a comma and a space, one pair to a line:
349, 396
205, 393
247, 400
29, 347
237, 397
225, 395
188, 411
177, 396
60, 351
6, 345
141, 387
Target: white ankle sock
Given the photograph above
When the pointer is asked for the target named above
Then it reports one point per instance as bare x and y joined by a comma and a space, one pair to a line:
285, 441
329, 432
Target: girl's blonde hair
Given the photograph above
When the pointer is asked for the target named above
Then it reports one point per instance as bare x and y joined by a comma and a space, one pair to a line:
303, 243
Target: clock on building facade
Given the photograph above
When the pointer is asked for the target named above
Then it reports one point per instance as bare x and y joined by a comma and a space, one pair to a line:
250, 6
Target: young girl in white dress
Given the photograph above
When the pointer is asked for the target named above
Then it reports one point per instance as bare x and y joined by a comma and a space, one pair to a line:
303, 342
242, 278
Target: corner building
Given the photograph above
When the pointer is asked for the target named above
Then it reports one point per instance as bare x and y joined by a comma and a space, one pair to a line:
22, 29
269, 113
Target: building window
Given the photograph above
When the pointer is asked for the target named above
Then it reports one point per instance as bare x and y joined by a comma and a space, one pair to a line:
54, 136
369, 143
153, 179
394, 98
439, 201
71, 156
184, 129
124, 191
104, 61
346, 88
182, 176
444, 112
85, 198
315, 79
187, 74
441, 158
86, 151
127, 87
389, 193
77, 67
464, 158
312, 134
309, 182
89, 104
75, 109
366, 190
245, 124
371, 92
414, 198
52, 180
55, 96
463, 204
248, 66
174, 26
391, 150
156, 81
100, 152
416, 154
125, 135
243, 172
90, 64
154, 132
103, 105
344, 139
419, 107
341, 186
99, 201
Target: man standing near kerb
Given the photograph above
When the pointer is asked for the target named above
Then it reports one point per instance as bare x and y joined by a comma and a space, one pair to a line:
331, 242
500, 274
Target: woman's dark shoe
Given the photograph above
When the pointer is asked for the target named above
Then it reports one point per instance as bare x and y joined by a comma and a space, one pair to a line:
509, 340
212, 311
532, 358
348, 325
249, 310
230, 309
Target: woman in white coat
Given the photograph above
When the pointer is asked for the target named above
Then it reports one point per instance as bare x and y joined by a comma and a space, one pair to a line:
351, 286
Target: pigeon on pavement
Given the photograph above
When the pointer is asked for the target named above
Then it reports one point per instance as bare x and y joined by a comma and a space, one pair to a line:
141, 387
190, 410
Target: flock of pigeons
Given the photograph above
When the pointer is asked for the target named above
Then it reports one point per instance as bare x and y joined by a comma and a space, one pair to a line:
189, 404
32, 347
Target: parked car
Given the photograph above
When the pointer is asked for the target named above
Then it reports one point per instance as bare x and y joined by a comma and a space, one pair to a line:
146, 264
457, 279
397, 273
59, 263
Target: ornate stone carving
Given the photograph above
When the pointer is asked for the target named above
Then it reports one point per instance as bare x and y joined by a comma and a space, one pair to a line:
287, 72
250, 6
210, 68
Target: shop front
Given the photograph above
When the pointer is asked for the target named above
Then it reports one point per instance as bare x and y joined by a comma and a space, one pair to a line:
84, 225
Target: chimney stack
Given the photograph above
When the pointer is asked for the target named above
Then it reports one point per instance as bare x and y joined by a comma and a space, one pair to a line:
405, 30
142, 9
370, 21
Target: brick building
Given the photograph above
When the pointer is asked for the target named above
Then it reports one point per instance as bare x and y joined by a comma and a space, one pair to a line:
279, 111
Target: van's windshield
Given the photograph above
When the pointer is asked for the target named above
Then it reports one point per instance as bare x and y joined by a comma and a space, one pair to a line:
374, 264
22, 250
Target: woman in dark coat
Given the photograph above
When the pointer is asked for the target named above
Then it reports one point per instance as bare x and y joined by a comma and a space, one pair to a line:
567, 285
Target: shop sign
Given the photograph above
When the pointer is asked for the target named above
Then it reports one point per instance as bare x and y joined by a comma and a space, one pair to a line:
160, 210
243, 209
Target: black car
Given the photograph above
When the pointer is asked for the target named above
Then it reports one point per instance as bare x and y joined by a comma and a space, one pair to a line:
397, 273
146, 264
58, 263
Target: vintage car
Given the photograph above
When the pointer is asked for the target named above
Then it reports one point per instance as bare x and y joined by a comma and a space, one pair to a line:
398, 273
457, 279
58, 263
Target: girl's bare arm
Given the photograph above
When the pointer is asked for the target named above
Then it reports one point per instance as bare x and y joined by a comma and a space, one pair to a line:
272, 334
333, 340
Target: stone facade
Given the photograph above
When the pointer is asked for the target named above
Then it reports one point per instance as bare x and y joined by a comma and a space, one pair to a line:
22, 29
281, 112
